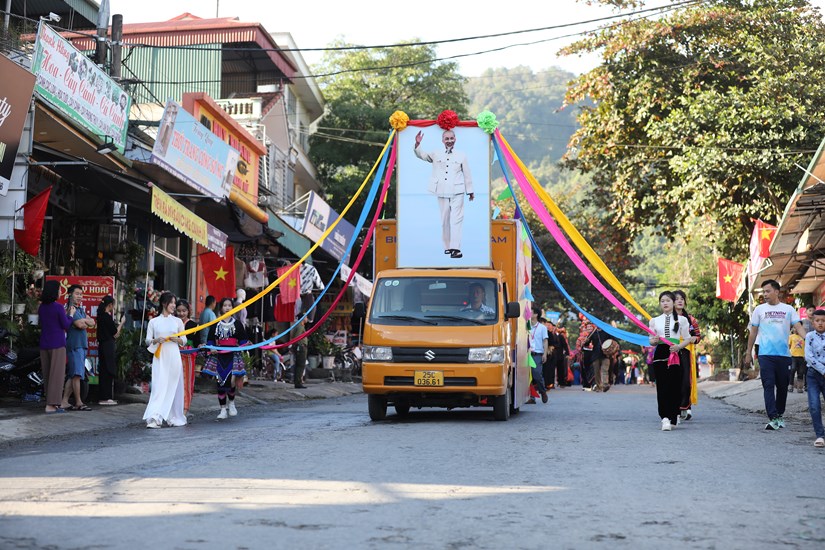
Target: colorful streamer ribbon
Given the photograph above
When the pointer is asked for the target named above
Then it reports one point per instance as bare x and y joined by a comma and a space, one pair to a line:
297, 264
574, 234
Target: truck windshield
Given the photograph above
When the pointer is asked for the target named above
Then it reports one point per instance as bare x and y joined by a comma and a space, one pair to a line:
449, 301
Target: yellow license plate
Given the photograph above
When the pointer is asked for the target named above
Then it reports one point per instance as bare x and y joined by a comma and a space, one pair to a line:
430, 378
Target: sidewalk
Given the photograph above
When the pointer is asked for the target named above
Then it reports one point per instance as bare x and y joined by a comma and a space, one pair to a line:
21, 422
748, 395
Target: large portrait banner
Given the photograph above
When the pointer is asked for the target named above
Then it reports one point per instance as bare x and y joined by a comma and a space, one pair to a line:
443, 197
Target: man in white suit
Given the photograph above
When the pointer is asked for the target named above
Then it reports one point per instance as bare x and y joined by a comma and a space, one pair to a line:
449, 181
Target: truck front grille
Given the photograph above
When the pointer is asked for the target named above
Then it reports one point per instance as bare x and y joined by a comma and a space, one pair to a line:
430, 355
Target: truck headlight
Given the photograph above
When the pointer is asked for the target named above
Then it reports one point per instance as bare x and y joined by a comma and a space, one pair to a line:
487, 355
377, 353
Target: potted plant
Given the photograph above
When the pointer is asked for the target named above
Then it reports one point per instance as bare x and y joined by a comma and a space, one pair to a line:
134, 362
5, 295
32, 302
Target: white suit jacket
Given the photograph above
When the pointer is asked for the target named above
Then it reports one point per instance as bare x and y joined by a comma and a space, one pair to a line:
451, 172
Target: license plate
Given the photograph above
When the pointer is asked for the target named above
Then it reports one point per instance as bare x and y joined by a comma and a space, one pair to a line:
430, 378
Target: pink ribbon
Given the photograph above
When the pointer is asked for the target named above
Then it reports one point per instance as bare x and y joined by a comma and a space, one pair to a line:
538, 207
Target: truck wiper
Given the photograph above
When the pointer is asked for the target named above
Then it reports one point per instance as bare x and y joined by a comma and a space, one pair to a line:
456, 318
406, 318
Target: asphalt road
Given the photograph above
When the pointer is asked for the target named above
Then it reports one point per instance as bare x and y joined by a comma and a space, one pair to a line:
587, 470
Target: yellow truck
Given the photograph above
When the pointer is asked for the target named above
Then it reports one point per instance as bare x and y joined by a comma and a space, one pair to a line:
448, 337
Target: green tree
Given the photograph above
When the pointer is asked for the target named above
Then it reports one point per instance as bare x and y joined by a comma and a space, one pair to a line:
701, 115
528, 106
363, 88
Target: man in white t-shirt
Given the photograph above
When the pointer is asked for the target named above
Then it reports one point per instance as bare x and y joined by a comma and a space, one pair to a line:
539, 347
772, 323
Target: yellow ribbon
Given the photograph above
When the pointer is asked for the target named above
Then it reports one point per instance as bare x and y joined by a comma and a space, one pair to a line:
575, 236
294, 266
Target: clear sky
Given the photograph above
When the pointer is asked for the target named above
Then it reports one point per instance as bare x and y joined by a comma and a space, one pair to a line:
316, 23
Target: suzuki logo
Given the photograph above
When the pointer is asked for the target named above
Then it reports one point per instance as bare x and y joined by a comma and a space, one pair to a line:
430, 355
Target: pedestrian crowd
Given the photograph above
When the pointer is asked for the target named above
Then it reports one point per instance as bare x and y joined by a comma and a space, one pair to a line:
64, 344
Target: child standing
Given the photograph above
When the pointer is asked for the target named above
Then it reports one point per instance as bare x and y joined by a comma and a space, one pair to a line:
223, 365
815, 357
798, 368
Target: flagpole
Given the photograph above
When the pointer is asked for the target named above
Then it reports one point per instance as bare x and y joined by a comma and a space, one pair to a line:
13, 262
732, 354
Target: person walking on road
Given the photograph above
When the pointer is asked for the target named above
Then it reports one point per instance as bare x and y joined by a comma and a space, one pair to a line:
223, 365
688, 358
539, 348
166, 397
449, 182
771, 323
815, 357
54, 322
184, 311
599, 362
673, 328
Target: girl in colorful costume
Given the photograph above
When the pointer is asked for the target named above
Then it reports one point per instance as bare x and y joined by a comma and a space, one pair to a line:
222, 364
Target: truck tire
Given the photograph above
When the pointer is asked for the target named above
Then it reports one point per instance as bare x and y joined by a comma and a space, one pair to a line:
377, 406
402, 408
501, 406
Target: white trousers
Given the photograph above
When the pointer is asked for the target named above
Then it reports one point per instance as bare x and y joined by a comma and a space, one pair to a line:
452, 219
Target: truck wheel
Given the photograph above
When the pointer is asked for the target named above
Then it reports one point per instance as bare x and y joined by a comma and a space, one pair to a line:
402, 408
501, 406
377, 407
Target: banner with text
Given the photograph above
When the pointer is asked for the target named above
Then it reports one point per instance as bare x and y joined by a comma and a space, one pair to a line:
192, 153
187, 222
319, 215
79, 88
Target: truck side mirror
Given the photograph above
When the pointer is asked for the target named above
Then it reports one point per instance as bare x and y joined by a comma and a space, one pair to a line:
360, 310
513, 310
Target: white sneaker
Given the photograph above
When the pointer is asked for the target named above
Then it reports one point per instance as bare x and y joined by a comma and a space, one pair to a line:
153, 424
232, 410
688, 414
222, 414
666, 425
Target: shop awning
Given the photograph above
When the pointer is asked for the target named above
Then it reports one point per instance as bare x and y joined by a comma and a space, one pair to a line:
98, 179
797, 253
292, 240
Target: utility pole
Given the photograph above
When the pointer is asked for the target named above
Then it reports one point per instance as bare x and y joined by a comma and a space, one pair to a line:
102, 31
117, 45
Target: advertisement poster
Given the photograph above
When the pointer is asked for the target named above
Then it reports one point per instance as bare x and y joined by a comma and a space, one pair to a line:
191, 152
443, 197
250, 150
94, 289
16, 93
184, 220
78, 88
319, 215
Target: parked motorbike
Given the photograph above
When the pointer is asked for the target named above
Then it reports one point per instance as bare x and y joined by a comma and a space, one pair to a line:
347, 363
20, 372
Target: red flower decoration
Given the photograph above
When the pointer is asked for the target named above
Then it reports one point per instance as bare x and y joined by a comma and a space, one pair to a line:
447, 119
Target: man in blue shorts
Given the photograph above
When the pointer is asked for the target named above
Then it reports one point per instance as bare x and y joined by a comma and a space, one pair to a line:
77, 342
772, 322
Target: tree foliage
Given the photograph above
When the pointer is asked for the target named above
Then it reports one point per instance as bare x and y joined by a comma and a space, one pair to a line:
360, 102
702, 114
528, 106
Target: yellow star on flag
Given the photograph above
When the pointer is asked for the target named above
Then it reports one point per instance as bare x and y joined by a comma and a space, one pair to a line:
292, 283
766, 234
220, 274
728, 278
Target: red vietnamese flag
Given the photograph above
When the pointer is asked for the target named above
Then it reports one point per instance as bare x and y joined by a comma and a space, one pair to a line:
291, 286
219, 273
34, 211
761, 239
727, 279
